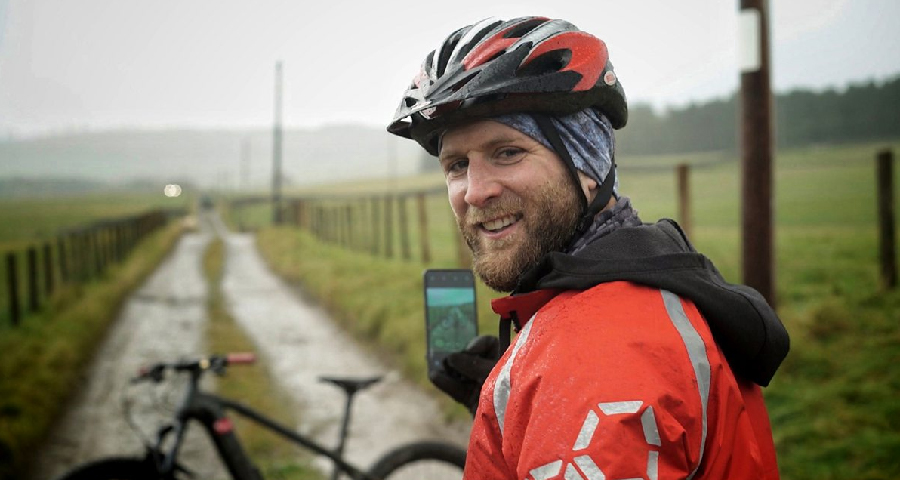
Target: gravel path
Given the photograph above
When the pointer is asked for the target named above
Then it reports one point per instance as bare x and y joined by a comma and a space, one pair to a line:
166, 318
301, 344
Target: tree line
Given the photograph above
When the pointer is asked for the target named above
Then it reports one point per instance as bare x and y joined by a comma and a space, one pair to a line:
868, 111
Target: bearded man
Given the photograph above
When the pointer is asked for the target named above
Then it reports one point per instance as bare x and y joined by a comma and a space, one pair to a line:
633, 357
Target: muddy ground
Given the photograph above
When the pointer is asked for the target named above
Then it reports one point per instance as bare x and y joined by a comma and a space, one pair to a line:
165, 319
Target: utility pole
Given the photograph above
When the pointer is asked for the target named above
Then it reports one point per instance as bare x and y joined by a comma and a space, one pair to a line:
276, 150
756, 148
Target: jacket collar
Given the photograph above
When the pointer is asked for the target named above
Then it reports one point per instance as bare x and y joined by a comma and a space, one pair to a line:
521, 307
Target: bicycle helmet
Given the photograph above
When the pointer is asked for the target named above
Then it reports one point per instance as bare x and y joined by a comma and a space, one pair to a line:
532, 65
524, 65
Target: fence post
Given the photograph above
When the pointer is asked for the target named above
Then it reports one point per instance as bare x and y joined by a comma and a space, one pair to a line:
98, 252
684, 197
48, 269
886, 228
301, 205
389, 225
376, 224
85, 258
423, 228
404, 228
12, 284
62, 260
34, 303
352, 239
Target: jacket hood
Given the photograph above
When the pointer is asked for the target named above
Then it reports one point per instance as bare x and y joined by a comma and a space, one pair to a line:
746, 328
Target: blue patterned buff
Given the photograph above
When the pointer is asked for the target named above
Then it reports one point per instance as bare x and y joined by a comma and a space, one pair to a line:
587, 134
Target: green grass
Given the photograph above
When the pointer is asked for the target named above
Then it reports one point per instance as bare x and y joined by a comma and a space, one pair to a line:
44, 358
253, 385
23, 221
833, 405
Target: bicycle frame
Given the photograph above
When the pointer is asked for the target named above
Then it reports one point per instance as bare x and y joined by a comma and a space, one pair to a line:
210, 411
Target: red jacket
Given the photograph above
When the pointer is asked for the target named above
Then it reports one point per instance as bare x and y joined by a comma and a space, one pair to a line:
619, 381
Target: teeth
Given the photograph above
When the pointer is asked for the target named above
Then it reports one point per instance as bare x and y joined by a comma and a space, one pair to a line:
499, 223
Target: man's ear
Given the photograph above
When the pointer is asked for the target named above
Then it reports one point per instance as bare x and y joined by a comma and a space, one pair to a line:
588, 186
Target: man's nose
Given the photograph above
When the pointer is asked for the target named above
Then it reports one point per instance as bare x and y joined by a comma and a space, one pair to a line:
482, 183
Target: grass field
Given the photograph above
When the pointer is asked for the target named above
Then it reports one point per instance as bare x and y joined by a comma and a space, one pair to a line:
833, 404
29, 219
36, 223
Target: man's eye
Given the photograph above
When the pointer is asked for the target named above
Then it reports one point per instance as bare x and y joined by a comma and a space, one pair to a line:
509, 153
457, 167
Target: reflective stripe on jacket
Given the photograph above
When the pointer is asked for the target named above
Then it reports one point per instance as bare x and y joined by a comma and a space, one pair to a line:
618, 382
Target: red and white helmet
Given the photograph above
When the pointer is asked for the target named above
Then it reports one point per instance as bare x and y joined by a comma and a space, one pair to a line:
524, 65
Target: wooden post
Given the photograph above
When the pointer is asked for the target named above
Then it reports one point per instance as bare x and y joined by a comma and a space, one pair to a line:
84, 256
98, 251
48, 269
34, 301
300, 214
317, 231
348, 226
389, 226
684, 197
63, 260
12, 284
376, 226
352, 227
886, 228
404, 228
423, 228
756, 151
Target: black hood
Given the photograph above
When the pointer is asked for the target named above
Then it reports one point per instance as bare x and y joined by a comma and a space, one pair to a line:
659, 255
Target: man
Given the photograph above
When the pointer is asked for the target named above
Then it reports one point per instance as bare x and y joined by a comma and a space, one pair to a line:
634, 358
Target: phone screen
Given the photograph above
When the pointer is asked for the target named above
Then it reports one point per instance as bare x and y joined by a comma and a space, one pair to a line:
451, 319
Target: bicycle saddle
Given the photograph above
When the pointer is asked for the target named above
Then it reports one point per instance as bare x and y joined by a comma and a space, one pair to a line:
352, 385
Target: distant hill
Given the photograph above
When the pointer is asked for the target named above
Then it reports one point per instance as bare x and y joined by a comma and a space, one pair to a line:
213, 159
207, 158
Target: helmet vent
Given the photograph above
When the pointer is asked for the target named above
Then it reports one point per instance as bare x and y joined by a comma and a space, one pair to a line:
549, 62
524, 28
444, 57
456, 86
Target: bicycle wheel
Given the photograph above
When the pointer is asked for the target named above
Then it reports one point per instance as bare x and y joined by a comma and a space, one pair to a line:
421, 460
113, 468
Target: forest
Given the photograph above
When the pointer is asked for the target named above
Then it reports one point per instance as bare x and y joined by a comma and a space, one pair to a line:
859, 113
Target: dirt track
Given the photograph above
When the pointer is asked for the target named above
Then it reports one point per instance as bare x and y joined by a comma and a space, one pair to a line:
165, 319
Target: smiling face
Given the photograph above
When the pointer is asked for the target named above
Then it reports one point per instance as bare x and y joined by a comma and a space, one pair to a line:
512, 198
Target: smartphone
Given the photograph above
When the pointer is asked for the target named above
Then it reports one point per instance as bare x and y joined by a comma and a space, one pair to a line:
450, 315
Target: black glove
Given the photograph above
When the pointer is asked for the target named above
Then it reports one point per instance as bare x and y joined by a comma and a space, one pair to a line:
462, 374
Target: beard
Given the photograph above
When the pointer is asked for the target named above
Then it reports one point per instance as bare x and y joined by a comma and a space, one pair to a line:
549, 217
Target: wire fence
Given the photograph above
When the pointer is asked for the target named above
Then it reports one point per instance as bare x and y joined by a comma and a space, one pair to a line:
75, 256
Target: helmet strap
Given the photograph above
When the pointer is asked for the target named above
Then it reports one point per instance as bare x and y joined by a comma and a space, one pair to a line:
605, 190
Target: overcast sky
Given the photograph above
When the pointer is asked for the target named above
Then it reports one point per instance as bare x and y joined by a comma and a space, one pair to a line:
67, 64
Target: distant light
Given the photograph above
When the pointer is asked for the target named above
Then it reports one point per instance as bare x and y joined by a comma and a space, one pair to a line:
172, 190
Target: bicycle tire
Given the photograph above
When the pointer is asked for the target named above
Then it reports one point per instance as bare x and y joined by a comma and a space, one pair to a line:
113, 468
418, 460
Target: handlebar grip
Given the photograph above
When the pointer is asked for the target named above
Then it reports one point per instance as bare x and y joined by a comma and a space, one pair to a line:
240, 358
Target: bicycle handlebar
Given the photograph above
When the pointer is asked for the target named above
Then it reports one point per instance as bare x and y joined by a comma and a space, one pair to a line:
216, 363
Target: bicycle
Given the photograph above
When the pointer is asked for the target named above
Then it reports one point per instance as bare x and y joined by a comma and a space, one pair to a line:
161, 462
